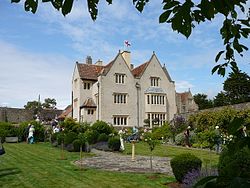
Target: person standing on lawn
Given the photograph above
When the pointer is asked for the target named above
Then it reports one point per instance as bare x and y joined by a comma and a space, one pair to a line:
31, 134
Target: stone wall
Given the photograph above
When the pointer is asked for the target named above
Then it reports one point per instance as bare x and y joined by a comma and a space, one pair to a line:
241, 106
17, 115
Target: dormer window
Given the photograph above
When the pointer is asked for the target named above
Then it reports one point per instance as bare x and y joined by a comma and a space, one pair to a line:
120, 78
154, 81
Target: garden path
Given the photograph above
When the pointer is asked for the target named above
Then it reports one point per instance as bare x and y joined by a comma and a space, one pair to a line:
113, 161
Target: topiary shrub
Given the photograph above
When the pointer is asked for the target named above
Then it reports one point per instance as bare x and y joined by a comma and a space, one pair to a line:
91, 136
69, 137
184, 163
102, 127
114, 143
103, 137
77, 144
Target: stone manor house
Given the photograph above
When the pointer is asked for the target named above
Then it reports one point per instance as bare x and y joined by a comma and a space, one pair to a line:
123, 95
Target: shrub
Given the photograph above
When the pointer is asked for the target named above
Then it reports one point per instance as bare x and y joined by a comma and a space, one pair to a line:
233, 165
77, 145
103, 137
91, 136
114, 143
180, 139
4, 130
60, 137
39, 131
102, 127
54, 137
70, 124
69, 137
161, 132
184, 163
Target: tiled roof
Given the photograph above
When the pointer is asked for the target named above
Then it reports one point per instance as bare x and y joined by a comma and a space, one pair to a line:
89, 71
183, 96
65, 112
89, 103
107, 67
137, 72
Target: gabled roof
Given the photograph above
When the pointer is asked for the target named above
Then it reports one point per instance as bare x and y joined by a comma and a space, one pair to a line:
65, 112
167, 74
89, 71
89, 103
107, 67
138, 71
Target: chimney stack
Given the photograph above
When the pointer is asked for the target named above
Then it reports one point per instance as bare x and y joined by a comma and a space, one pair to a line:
127, 57
131, 66
99, 62
89, 60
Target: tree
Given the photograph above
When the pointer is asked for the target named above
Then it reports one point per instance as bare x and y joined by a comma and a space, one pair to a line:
183, 16
37, 106
237, 87
49, 103
202, 101
221, 99
33, 105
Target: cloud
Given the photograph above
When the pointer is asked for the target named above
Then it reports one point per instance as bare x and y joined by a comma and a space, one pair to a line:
25, 75
183, 85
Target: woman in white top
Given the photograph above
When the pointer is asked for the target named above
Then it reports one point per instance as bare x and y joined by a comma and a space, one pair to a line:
31, 134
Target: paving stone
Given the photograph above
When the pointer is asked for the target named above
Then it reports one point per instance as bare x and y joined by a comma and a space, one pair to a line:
112, 161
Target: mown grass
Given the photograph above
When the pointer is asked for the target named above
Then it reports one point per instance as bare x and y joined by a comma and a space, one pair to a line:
39, 166
208, 158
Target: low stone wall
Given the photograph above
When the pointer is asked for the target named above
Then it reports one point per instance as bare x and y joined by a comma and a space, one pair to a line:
17, 115
241, 106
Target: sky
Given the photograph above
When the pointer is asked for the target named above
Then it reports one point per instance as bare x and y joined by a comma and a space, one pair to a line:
38, 51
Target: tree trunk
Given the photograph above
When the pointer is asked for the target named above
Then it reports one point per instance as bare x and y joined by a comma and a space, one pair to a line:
151, 163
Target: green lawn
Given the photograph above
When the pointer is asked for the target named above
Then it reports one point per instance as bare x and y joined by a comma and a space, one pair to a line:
208, 158
39, 165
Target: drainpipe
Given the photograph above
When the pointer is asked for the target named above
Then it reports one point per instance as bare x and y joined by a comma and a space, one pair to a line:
98, 106
72, 104
137, 85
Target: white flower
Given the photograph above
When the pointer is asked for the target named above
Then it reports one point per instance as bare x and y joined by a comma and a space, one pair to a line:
146, 140
217, 127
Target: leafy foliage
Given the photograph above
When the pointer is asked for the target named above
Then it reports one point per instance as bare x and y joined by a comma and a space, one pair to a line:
234, 163
150, 140
37, 106
69, 124
183, 17
221, 99
114, 143
49, 103
202, 101
237, 87
102, 127
163, 132
33, 105
184, 163
91, 136
177, 126
103, 137
70, 137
